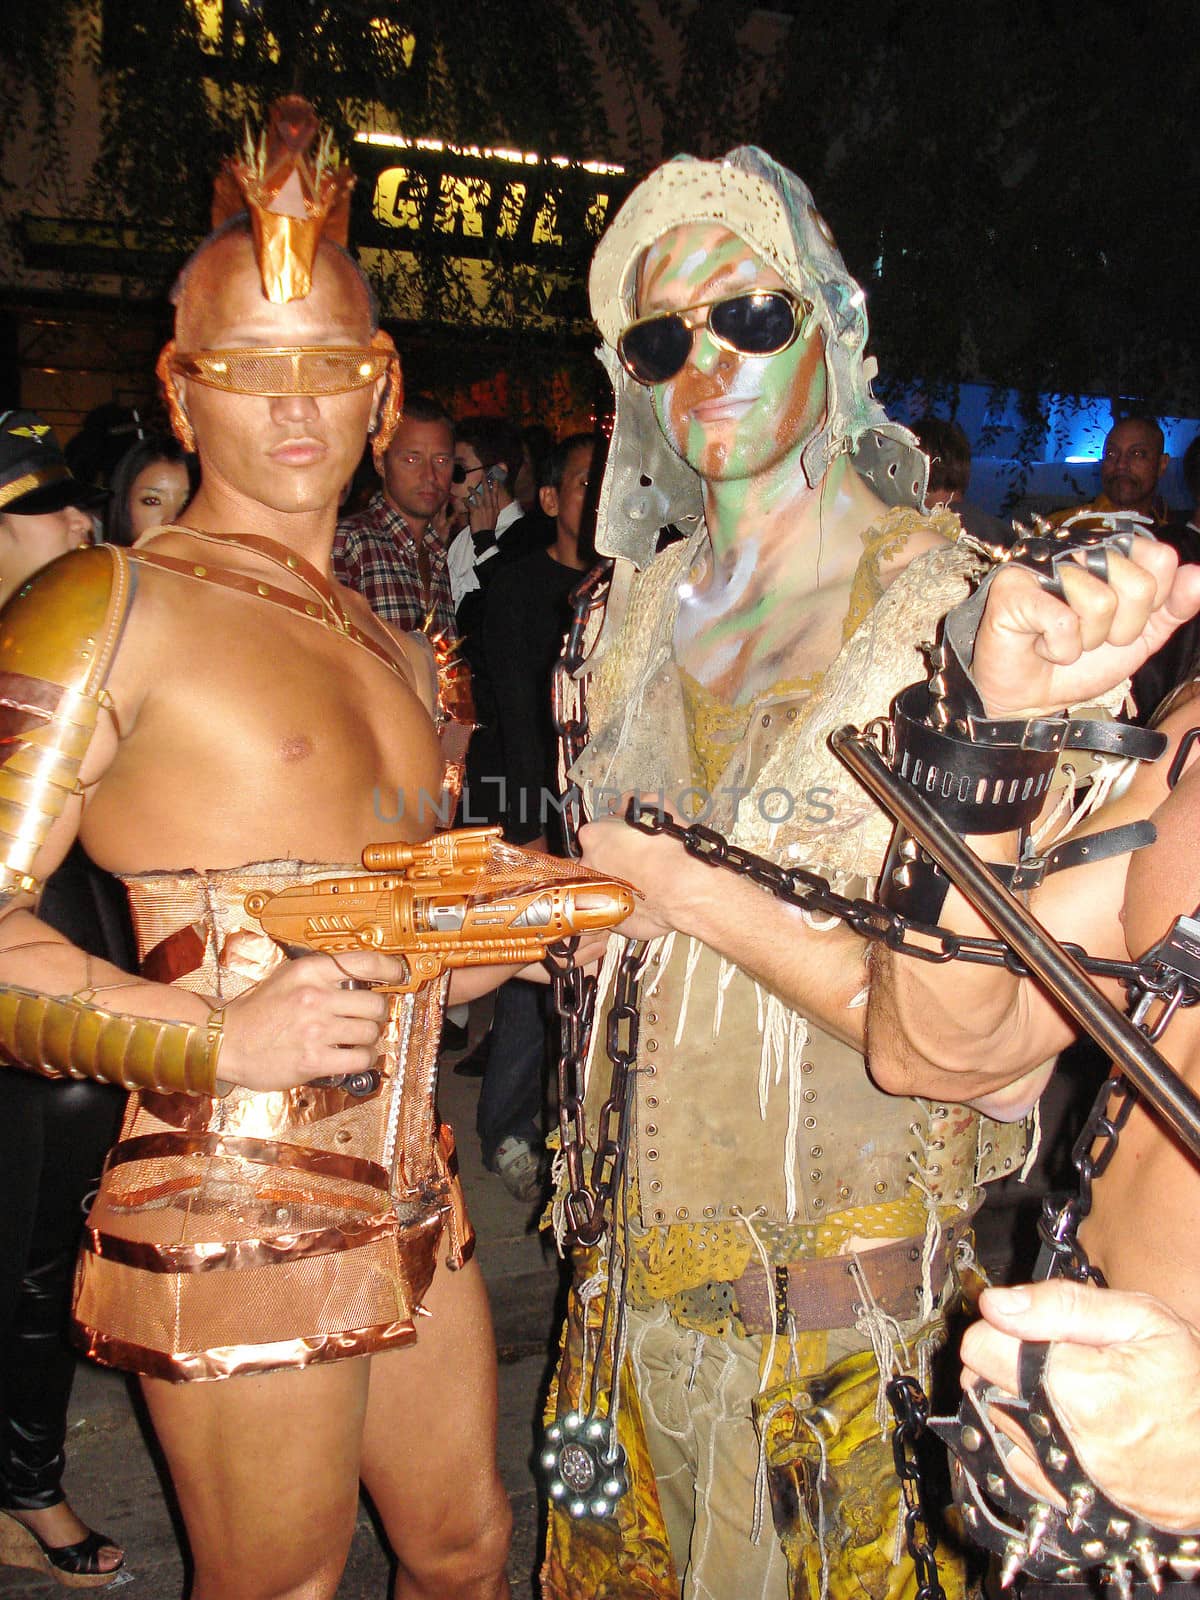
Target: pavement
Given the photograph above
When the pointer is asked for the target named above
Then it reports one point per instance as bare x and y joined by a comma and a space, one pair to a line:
115, 1477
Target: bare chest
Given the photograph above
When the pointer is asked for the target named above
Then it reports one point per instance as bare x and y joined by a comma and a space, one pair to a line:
258, 734
741, 645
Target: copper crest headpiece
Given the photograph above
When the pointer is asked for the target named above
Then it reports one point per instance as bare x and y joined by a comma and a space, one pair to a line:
293, 194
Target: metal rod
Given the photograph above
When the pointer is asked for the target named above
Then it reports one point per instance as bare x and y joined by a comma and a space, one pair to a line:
1058, 971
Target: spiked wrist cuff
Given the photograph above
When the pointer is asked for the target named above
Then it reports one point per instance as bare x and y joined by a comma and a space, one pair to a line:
988, 777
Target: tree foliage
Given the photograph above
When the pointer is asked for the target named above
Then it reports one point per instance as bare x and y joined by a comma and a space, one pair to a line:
1012, 180
1015, 185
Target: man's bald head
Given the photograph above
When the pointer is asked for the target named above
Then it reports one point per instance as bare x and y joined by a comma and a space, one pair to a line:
222, 261
1132, 464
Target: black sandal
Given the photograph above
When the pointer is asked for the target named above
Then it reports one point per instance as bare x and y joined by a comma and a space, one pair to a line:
75, 1566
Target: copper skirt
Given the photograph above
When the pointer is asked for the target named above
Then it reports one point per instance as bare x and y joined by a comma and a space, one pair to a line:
265, 1231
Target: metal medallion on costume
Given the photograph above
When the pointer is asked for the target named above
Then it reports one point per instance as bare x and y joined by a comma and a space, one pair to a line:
259, 1231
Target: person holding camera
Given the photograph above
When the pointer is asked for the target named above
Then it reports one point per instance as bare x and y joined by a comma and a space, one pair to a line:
487, 459
494, 533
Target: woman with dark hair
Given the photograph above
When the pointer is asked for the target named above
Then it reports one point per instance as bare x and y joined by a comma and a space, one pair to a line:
151, 484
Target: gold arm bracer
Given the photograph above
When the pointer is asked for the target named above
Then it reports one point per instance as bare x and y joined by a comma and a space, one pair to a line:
58, 636
72, 1038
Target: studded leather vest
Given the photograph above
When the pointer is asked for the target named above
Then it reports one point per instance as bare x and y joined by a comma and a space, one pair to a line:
745, 1108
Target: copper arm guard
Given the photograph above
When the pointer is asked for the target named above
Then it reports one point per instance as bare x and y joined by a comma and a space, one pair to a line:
71, 1038
58, 636
460, 899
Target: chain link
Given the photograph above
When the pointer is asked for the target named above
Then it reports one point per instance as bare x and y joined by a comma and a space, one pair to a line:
911, 1410
585, 1208
575, 1001
924, 941
1147, 981
587, 1205
1060, 1221
568, 703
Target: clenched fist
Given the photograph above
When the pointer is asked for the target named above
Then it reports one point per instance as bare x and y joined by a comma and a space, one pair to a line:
1036, 654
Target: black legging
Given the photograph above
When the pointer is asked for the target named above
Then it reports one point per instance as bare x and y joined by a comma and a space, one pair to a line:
53, 1140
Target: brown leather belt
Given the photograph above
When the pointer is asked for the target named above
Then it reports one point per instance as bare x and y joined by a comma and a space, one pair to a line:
827, 1293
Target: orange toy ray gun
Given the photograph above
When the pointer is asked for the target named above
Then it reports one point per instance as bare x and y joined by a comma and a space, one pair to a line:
461, 899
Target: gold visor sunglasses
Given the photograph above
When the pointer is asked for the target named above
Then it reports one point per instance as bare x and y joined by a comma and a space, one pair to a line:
302, 370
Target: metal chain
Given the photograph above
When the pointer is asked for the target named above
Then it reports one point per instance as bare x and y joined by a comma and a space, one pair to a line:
568, 704
798, 886
911, 1410
575, 1001
587, 1205
1059, 1223
1150, 981
1147, 981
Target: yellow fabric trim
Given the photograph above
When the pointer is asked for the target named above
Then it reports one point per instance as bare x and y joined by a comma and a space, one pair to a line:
715, 728
665, 1263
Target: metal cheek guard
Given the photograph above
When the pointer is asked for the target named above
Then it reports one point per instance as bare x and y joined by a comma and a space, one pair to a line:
1028, 1534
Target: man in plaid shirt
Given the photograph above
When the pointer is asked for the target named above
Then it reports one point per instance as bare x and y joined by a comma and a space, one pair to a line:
393, 553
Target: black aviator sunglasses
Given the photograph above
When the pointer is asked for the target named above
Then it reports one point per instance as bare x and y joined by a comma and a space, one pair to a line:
761, 322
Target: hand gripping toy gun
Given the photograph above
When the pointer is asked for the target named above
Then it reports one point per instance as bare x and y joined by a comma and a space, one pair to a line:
461, 899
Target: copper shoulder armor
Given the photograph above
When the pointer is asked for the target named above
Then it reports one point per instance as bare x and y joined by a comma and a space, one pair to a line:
58, 637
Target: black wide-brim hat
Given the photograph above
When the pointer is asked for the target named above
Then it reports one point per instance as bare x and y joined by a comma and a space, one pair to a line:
34, 477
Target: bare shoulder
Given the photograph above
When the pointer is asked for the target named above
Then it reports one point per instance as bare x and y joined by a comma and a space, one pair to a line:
167, 540
907, 535
417, 653
412, 652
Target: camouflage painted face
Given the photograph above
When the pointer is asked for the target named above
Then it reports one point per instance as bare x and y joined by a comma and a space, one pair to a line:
729, 416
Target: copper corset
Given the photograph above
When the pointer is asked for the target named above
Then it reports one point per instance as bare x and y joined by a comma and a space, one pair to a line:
268, 1230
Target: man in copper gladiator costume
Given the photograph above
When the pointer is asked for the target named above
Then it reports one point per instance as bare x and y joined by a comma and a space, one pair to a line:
212, 716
